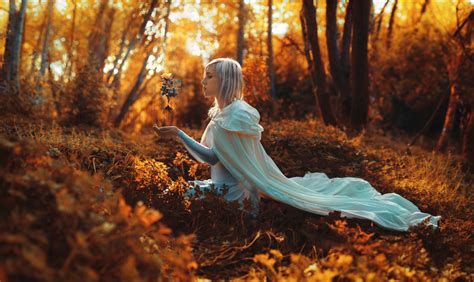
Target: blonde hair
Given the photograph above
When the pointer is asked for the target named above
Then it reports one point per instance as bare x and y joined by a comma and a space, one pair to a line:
231, 83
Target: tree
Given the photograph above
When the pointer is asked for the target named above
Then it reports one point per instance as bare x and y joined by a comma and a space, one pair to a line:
8, 52
133, 95
391, 24
467, 146
99, 38
240, 33
136, 39
423, 10
453, 69
45, 48
89, 98
375, 31
307, 54
37, 47
271, 72
12, 53
338, 60
121, 49
380, 19
318, 76
70, 47
461, 46
345, 59
360, 65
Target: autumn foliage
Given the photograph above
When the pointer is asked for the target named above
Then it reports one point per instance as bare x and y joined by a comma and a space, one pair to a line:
98, 204
88, 192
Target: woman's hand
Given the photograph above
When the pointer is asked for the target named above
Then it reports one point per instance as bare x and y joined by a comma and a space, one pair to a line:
166, 131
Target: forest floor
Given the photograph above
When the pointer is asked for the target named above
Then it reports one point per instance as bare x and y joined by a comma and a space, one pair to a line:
80, 203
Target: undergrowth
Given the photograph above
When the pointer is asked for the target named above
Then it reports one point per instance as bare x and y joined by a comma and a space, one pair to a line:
82, 203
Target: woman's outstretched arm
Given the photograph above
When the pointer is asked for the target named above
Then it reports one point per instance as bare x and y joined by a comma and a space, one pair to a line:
199, 151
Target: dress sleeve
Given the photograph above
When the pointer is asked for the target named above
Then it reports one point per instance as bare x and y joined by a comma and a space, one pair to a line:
202, 153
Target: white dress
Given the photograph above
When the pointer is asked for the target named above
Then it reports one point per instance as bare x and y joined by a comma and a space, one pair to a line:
220, 176
231, 144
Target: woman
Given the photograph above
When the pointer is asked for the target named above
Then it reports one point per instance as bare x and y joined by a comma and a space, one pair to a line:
231, 145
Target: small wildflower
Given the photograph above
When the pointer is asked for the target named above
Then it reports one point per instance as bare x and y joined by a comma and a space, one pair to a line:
169, 88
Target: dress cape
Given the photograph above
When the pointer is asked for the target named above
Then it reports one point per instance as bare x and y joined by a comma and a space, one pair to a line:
236, 142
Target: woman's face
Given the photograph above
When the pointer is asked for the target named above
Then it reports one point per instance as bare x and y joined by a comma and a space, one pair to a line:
210, 83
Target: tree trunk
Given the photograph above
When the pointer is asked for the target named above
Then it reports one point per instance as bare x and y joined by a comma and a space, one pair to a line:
376, 31
240, 33
371, 19
95, 40
37, 48
45, 51
122, 46
335, 61
14, 38
99, 39
448, 120
430, 120
136, 92
308, 59
390, 24
331, 42
317, 69
18, 38
106, 38
8, 51
468, 144
271, 73
132, 96
423, 10
380, 20
453, 69
70, 48
137, 39
345, 63
360, 65
162, 45
90, 102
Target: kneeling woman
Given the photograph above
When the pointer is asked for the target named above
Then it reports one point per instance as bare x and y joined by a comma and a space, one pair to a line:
231, 145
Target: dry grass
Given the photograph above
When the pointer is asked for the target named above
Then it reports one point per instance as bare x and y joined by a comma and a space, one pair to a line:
283, 243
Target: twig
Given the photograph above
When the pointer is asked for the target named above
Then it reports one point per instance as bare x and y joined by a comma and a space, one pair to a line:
470, 17
429, 120
93, 164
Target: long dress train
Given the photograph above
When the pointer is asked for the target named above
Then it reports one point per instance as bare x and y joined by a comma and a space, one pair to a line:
234, 137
